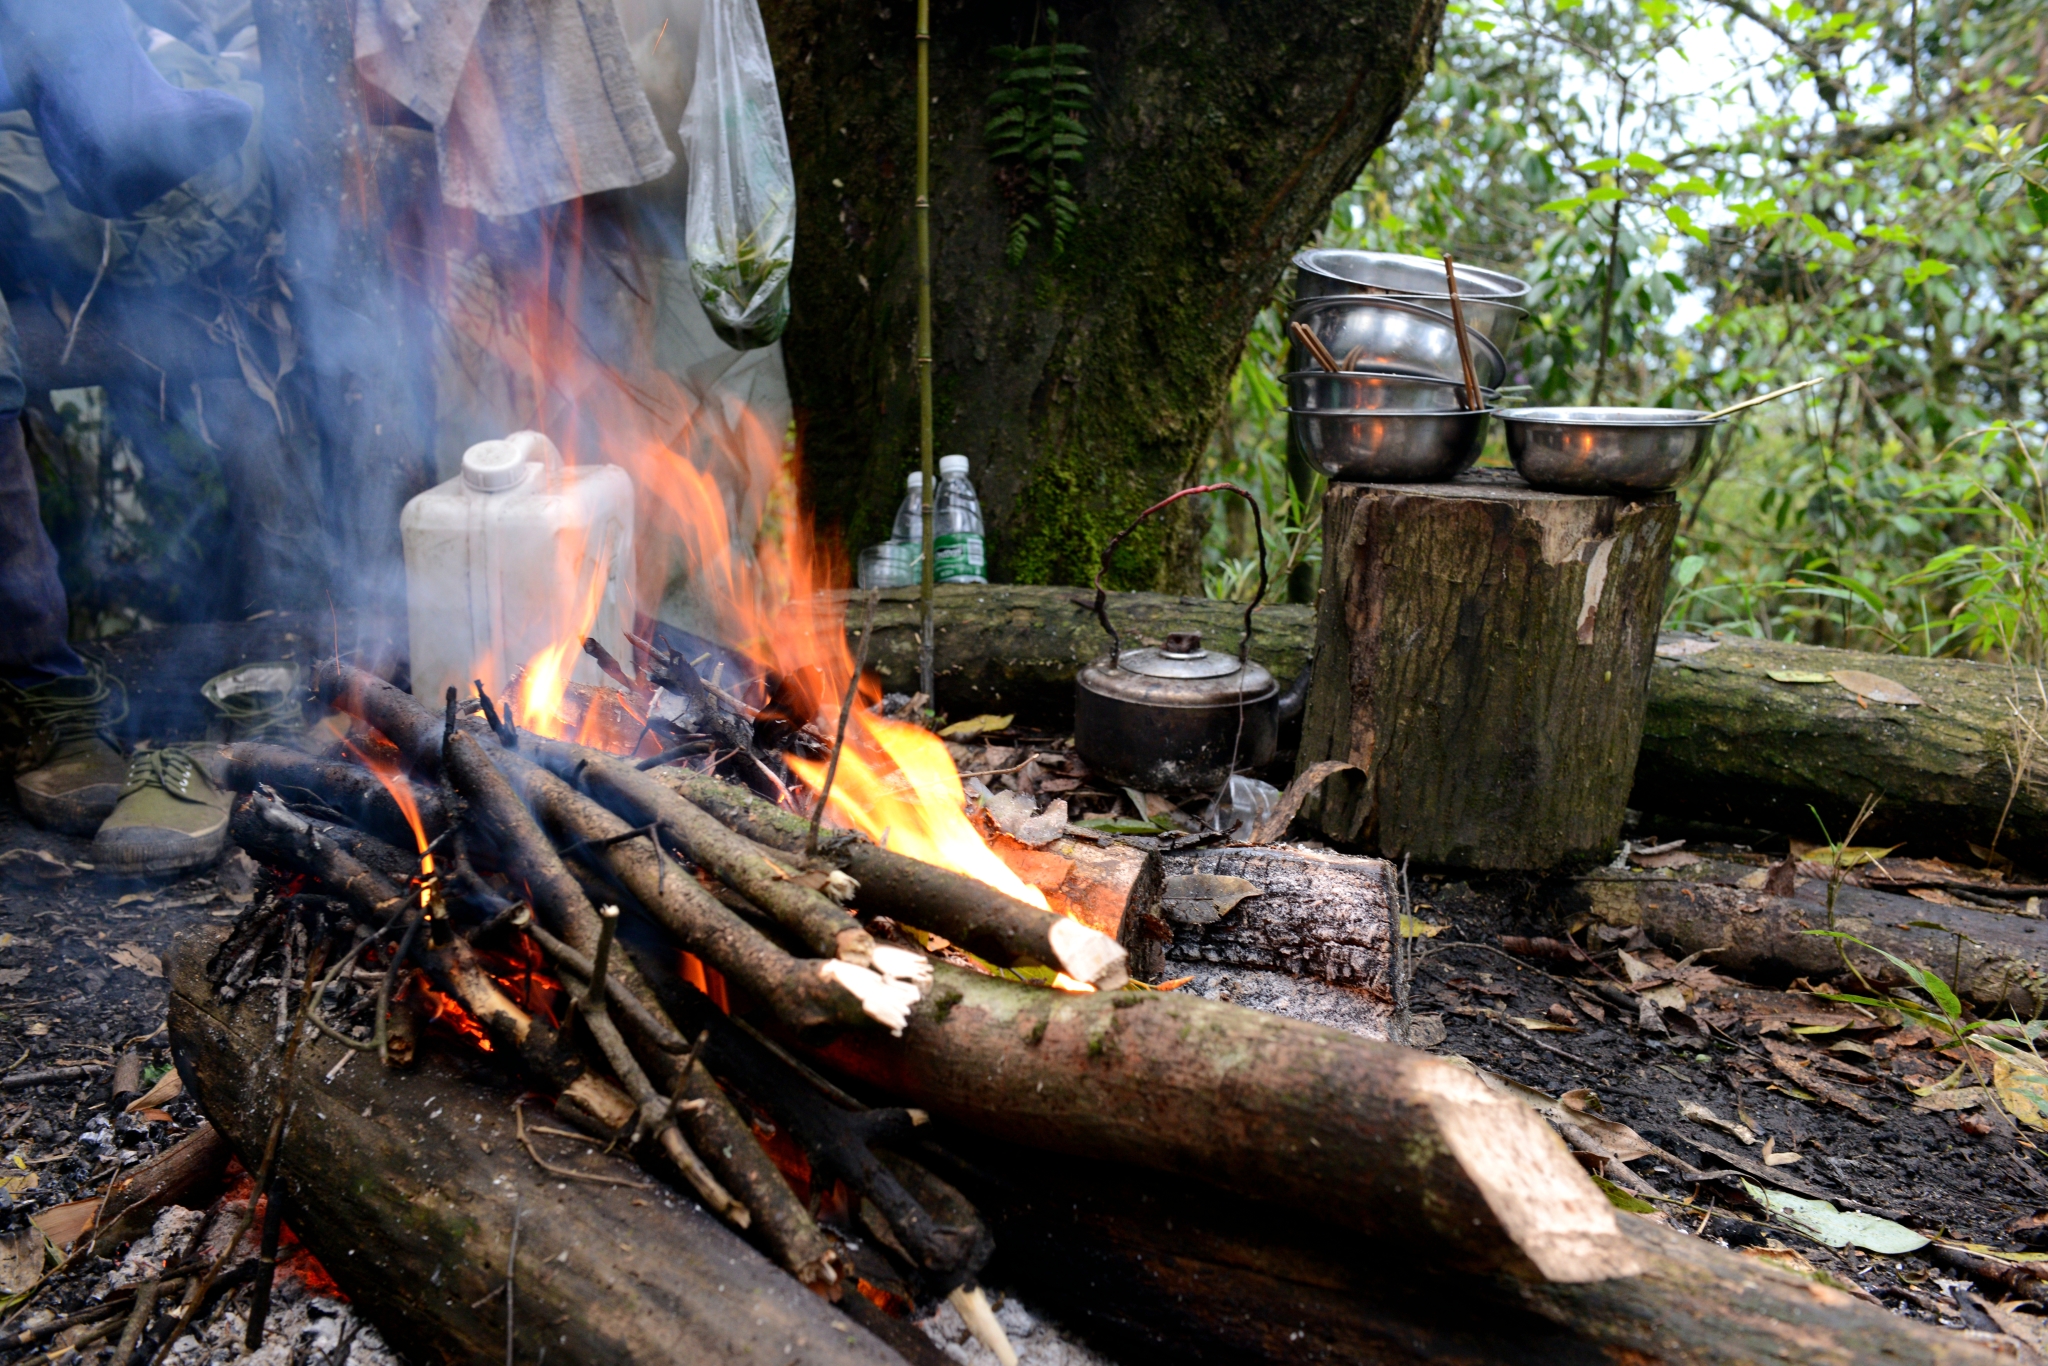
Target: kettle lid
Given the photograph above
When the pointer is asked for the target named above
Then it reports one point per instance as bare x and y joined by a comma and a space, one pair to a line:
1180, 655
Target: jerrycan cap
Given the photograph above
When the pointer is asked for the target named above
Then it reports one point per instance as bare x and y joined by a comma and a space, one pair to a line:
496, 466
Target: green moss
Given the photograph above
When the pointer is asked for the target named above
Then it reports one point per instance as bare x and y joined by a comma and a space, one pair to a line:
943, 1003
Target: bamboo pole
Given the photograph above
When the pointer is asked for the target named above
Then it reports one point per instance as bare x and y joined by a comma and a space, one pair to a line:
924, 341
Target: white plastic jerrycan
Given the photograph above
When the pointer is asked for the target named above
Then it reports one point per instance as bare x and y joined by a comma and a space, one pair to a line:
507, 559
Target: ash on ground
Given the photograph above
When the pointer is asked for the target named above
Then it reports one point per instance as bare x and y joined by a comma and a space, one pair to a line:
1037, 1342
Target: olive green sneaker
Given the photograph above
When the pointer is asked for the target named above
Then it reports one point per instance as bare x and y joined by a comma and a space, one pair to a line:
68, 773
172, 818
258, 702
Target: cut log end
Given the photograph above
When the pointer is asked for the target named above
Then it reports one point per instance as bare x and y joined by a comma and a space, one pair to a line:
1089, 955
1527, 1177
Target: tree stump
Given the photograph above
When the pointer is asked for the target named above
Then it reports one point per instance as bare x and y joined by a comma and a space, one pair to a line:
1483, 657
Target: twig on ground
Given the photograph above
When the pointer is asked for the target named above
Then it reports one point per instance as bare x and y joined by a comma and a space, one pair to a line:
595, 1178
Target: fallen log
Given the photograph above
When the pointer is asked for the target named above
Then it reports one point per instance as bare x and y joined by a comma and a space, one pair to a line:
386, 1177
1381, 1140
1991, 960
1726, 742
1721, 741
1114, 1251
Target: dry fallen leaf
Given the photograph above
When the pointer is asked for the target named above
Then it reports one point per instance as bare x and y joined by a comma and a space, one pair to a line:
33, 865
1876, 688
1700, 1114
1773, 1158
2023, 1088
13, 977
973, 726
168, 1088
1543, 1026
137, 957
65, 1224
1683, 647
1799, 676
22, 1255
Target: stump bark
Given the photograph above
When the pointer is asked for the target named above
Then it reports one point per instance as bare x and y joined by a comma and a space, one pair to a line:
406, 1185
1483, 657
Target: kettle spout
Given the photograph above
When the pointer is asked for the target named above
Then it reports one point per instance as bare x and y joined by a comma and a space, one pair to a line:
1296, 696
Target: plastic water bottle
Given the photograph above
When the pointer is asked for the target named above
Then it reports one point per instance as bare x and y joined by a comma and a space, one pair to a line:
957, 550
909, 526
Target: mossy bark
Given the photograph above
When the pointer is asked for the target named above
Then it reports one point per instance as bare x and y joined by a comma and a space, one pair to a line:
1083, 387
1727, 742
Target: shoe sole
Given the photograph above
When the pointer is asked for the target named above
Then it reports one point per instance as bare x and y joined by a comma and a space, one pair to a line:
144, 851
77, 812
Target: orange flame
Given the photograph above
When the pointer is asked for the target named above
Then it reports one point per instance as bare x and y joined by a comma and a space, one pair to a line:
719, 527
400, 788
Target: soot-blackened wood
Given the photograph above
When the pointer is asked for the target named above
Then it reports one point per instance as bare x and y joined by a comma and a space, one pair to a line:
1482, 657
350, 790
1994, 961
386, 1178
1385, 1141
1315, 912
1145, 1267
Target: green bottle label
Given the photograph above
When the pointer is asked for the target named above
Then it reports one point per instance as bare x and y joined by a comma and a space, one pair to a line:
957, 558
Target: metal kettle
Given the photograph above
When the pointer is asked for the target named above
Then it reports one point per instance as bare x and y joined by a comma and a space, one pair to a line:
1178, 717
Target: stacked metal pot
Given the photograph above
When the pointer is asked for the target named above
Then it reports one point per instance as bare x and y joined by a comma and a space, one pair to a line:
1395, 407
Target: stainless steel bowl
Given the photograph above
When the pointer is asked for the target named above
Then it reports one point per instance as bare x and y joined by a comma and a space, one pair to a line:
1493, 302
1374, 333
1320, 391
1607, 450
1389, 447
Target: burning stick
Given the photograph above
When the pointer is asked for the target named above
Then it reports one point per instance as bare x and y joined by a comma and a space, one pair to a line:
352, 792
823, 926
655, 1112
271, 831
805, 993
972, 914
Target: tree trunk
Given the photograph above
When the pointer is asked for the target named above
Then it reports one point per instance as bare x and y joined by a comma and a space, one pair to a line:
1083, 387
1152, 1268
1726, 742
366, 376
409, 1202
1483, 652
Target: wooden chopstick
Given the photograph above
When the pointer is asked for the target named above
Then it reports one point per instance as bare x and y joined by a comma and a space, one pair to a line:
1472, 399
1315, 348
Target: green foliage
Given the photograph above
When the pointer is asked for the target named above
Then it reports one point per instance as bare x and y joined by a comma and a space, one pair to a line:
1037, 129
1712, 201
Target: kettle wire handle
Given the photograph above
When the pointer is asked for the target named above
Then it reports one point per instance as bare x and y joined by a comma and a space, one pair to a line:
1244, 644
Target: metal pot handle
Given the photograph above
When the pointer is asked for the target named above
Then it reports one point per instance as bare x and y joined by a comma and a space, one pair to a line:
1244, 645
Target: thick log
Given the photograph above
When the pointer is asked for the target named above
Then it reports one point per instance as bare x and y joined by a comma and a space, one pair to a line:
1117, 1255
1015, 648
1721, 742
1384, 1141
1991, 960
1313, 912
972, 914
1725, 742
386, 1177
1483, 652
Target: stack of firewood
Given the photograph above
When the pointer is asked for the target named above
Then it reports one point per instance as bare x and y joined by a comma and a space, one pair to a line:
689, 970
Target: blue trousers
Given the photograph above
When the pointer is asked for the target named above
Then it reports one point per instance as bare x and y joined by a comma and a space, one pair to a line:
32, 612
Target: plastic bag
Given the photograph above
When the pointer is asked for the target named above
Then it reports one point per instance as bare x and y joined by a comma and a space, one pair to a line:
741, 228
1241, 805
